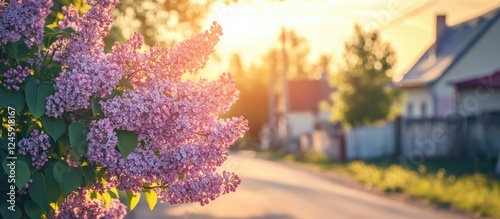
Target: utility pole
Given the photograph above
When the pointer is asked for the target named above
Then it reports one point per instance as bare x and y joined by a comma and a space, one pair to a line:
272, 122
284, 92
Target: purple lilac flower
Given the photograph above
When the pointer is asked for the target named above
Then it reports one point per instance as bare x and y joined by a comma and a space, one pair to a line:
14, 77
23, 20
77, 205
36, 145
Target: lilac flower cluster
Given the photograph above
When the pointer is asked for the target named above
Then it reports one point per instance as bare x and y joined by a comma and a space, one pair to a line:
14, 77
182, 140
202, 187
36, 145
78, 205
23, 20
185, 137
90, 71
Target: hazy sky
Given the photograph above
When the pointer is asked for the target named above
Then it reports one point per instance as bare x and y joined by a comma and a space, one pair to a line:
251, 27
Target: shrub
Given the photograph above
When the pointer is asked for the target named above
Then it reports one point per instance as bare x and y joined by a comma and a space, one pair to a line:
80, 124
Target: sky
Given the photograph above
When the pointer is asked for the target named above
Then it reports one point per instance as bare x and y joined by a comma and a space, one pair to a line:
251, 27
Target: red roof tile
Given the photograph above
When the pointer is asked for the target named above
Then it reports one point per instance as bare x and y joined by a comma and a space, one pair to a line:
305, 95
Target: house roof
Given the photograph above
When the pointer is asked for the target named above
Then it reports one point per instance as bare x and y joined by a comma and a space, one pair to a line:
491, 80
305, 95
454, 42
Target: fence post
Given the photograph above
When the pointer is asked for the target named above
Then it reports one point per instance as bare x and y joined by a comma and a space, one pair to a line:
397, 136
342, 151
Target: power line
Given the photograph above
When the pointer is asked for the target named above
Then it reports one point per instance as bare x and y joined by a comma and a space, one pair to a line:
411, 13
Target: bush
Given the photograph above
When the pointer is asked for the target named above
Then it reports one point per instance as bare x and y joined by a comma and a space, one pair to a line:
80, 125
475, 193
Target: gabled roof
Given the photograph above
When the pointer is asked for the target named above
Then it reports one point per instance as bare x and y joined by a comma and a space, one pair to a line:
305, 95
454, 42
491, 80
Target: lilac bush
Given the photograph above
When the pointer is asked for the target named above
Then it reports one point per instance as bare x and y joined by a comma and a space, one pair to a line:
92, 123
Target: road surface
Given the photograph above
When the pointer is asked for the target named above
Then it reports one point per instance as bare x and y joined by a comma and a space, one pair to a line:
272, 190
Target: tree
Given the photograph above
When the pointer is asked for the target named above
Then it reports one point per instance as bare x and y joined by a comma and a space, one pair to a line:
297, 51
166, 22
252, 82
364, 90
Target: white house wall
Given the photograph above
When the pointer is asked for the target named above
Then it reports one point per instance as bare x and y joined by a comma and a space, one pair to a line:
483, 57
417, 97
300, 123
476, 100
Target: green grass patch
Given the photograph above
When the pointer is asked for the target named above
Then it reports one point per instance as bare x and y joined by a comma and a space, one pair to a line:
466, 184
470, 192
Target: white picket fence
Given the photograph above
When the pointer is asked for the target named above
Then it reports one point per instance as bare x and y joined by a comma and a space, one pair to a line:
370, 141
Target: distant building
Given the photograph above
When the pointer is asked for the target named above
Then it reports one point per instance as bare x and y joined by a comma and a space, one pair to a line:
478, 95
469, 49
304, 112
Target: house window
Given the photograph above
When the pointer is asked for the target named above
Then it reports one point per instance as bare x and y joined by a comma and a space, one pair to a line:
423, 109
409, 110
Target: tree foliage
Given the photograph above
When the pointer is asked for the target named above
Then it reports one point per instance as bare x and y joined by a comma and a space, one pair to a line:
165, 21
364, 88
253, 80
296, 52
253, 83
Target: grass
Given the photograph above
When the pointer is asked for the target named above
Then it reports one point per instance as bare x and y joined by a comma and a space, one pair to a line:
465, 184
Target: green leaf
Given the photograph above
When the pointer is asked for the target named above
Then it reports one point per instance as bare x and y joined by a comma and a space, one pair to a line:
53, 69
133, 200
22, 168
127, 142
151, 198
77, 138
101, 174
33, 124
36, 97
63, 144
22, 174
17, 50
54, 127
89, 174
68, 31
3, 154
96, 107
65, 2
181, 176
107, 198
126, 83
114, 93
6, 213
11, 98
39, 191
68, 178
113, 192
32, 209
49, 39
48, 30
55, 194
4, 165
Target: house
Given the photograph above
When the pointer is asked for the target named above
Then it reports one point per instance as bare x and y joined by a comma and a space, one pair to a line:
304, 100
303, 114
467, 49
478, 95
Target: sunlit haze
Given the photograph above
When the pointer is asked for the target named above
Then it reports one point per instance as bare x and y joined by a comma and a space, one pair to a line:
252, 27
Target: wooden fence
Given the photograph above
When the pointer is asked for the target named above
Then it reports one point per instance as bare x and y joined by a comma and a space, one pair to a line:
370, 142
477, 135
